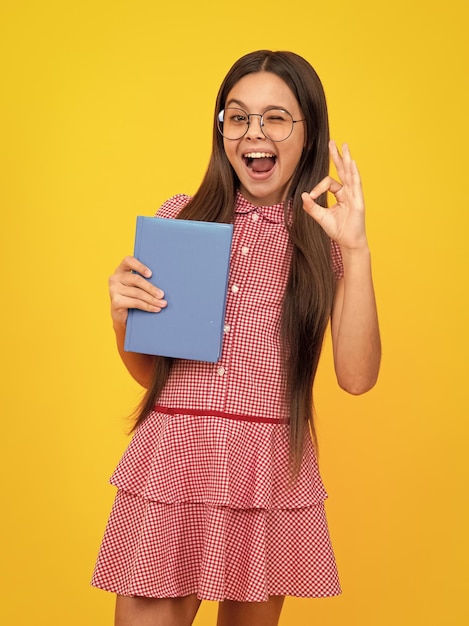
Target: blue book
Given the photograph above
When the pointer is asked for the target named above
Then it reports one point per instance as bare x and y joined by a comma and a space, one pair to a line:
190, 262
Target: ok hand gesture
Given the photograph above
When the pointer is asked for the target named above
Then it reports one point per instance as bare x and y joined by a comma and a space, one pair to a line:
344, 222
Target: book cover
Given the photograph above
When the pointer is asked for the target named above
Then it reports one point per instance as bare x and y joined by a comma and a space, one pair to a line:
190, 263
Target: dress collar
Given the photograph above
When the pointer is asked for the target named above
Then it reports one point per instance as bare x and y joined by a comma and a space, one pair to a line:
273, 213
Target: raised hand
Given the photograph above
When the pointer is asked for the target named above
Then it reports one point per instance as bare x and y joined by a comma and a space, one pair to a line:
128, 289
344, 222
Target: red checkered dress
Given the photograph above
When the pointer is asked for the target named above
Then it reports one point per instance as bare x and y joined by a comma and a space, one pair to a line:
204, 505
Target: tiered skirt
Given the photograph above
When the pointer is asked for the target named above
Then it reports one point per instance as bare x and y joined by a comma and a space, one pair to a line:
206, 506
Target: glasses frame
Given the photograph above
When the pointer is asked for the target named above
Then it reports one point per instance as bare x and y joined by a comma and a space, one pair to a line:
221, 115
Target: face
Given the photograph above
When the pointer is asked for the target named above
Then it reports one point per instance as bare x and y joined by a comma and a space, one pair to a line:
264, 181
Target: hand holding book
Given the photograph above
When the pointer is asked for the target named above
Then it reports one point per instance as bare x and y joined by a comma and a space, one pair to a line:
129, 289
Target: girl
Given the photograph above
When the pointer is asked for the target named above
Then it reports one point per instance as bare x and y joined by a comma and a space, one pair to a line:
219, 493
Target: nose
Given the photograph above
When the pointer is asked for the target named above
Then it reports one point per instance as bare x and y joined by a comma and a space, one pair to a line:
255, 128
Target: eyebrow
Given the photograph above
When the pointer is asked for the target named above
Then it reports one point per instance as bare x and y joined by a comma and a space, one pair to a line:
244, 106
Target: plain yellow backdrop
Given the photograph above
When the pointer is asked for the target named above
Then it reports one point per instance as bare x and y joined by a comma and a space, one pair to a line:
105, 112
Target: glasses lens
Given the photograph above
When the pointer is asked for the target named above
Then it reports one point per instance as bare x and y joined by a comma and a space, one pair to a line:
277, 124
233, 123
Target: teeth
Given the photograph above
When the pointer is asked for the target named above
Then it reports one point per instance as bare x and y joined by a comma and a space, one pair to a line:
258, 155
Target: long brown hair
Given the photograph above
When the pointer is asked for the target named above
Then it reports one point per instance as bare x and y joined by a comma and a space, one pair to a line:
308, 297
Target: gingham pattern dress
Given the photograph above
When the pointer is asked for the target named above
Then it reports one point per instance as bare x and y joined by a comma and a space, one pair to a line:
204, 504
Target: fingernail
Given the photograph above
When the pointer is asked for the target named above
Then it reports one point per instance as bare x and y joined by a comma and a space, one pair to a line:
147, 273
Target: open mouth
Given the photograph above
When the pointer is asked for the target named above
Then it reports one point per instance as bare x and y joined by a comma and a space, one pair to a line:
259, 161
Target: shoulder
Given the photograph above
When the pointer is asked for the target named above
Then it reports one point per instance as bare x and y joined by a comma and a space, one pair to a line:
171, 207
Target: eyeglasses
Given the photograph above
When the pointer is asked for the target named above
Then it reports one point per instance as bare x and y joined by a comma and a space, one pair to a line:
275, 124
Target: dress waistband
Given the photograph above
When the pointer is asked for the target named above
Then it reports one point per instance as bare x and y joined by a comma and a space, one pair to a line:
210, 413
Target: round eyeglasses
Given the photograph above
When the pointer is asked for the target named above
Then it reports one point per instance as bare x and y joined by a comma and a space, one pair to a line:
275, 124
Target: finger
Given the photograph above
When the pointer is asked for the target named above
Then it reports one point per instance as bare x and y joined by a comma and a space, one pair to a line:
355, 174
131, 298
137, 294
344, 163
121, 305
326, 184
122, 279
134, 280
336, 159
144, 304
349, 173
131, 264
316, 211
131, 271
352, 175
348, 164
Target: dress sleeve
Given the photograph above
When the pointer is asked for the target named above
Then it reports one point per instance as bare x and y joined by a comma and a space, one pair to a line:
171, 207
337, 265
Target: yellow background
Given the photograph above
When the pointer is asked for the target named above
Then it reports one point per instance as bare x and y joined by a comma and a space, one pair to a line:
95, 130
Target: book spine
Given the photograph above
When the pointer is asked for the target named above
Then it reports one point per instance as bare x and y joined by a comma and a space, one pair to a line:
137, 245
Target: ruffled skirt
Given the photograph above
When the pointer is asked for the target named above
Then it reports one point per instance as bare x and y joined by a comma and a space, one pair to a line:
204, 506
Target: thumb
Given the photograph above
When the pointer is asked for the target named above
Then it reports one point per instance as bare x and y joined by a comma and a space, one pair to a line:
313, 209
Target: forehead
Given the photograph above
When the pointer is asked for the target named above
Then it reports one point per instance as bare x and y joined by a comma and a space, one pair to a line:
260, 90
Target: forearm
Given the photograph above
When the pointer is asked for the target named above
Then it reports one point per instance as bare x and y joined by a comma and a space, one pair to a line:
355, 329
140, 366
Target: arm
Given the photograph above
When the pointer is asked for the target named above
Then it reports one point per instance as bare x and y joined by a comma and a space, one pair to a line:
129, 289
355, 330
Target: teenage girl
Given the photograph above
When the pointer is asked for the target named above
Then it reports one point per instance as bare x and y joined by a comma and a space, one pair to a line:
219, 493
